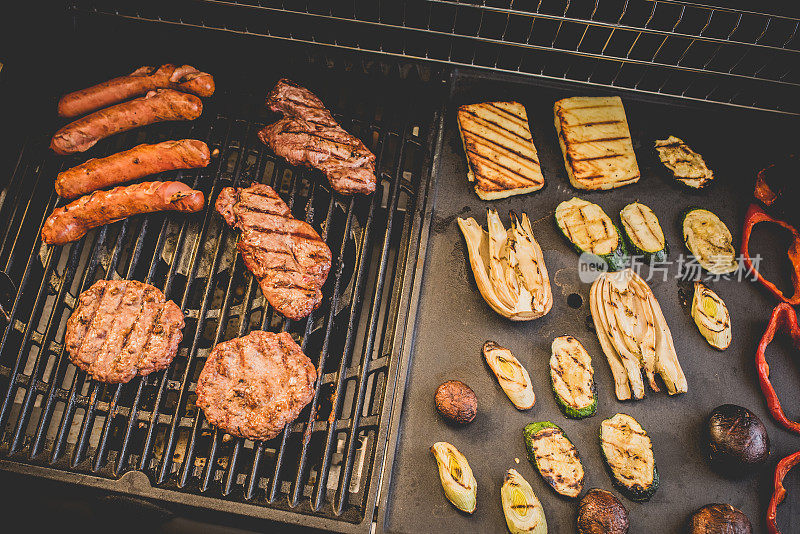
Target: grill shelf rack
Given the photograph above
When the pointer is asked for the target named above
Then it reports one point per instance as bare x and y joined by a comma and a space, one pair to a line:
673, 48
325, 468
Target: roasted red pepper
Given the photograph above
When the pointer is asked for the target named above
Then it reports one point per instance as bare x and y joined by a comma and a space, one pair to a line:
757, 215
783, 467
783, 319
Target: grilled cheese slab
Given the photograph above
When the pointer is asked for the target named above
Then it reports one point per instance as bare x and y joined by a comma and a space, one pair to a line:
500, 152
596, 143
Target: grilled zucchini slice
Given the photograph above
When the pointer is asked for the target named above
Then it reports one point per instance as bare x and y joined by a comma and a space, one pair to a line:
710, 241
572, 377
644, 232
711, 316
628, 454
590, 230
687, 166
555, 457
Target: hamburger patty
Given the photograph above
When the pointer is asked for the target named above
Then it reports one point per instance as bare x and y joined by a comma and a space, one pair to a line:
285, 254
122, 328
255, 385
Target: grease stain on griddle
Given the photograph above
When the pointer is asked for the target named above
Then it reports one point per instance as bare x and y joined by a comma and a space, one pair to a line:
441, 224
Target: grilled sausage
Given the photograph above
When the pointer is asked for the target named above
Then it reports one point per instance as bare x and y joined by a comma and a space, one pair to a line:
157, 106
71, 222
137, 83
132, 164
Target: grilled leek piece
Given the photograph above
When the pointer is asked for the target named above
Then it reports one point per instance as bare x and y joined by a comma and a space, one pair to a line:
500, 152
572, 377
711, 316
687, 166
596, 142
508, 266
710, 241
555, 457
458, 482
644, 232
628, 454
513, 377
634, 335
523, 511
591, 231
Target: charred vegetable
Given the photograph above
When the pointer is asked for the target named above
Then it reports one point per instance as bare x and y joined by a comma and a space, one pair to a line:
634, 335
523, 511
686, 165
513, 377
555, 457
736, 439
628, 453
458, 482
508, 266
719, 519
456, 402
590, 230
710, 241
572, 377
600, 512
644, 232
711, 316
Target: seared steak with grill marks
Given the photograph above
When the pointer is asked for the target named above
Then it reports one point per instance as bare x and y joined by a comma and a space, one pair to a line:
122, 328
287, 255
308, 135
255, 385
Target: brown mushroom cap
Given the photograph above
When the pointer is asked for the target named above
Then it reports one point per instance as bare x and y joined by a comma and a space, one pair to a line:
456, 402
600, 512
719, 519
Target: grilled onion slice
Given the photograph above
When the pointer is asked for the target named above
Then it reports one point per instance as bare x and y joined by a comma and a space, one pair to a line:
458, 482
711, 316
523, 511
508, 266
513, 377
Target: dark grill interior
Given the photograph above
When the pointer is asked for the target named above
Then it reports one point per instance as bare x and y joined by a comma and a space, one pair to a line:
328, 462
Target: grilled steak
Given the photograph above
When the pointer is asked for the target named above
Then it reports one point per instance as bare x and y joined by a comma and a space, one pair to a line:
287, 256
308, 135
122, 328
500, 152
255, 385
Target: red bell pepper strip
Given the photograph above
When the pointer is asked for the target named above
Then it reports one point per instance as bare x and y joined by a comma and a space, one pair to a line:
783, 319
757, 215
783, 467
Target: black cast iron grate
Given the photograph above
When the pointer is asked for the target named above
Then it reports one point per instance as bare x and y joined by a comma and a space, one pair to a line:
325, 467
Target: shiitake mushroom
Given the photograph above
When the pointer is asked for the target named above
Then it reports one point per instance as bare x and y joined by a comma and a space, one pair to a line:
456, 402
600, 512
736, 440
719, 519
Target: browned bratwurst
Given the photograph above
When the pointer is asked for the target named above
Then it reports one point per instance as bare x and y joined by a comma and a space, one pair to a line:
71, 222
137, 83
158, 106
140, 161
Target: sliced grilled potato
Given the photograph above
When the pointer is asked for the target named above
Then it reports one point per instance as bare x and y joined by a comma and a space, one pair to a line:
596, 142
501, 155
687, 166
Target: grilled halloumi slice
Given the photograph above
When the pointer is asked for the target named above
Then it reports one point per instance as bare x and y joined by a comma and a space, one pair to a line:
596, 143
500, 152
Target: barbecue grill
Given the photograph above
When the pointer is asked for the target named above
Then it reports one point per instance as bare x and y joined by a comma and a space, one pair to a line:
400, 312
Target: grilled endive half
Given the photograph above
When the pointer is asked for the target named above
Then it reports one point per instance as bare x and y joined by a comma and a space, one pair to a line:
710, 241
508, 266
513, 377
458, 482
523, 511
634, 335
711, 316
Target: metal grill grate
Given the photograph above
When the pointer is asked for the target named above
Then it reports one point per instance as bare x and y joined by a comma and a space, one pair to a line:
661, 47
326, 464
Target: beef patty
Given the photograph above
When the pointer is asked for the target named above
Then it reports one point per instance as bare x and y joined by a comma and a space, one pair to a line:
286, 255
255, 385
122, 328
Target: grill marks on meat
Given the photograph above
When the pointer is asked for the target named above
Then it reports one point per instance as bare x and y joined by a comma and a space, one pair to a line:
308, 135
253, 386
122, 328
286, 255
